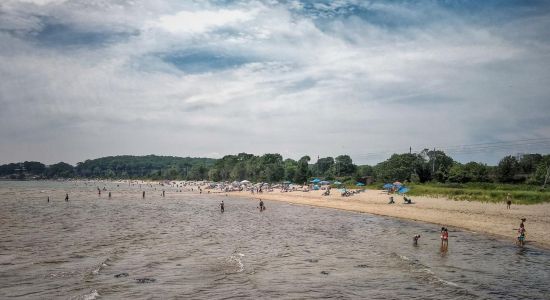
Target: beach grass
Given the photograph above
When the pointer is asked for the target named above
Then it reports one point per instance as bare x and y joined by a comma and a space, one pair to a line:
484, 192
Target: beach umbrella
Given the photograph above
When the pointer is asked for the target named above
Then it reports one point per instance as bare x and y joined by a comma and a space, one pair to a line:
397, 183
387, 186
324, 182
337, 182
316, 180
245, 181
403, 190
360, 184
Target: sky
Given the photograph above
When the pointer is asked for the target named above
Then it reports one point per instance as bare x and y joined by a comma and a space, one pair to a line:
81, 79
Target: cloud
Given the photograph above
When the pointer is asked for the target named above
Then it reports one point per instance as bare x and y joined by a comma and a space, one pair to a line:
191, 78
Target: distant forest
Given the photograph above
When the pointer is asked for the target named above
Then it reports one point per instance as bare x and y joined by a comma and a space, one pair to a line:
426, 166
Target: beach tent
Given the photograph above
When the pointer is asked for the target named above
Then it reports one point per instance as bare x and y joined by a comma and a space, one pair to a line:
316, 180
360, 184
387, 186
324, 182
403, 190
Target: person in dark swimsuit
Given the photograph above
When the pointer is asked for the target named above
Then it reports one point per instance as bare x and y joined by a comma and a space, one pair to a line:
67, 197
222, 207
262, 207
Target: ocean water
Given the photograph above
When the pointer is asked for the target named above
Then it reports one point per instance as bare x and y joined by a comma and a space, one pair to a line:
181, 247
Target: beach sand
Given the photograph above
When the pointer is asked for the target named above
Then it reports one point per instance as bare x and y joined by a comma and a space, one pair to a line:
491, 218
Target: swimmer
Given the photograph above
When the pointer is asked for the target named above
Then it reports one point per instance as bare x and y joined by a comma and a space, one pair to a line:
521, 234
66, 197
109, 194
415, 239
162, 193
48, 199
143, 195
222, 207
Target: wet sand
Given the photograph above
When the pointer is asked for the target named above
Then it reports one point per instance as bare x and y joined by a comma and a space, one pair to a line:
490, 218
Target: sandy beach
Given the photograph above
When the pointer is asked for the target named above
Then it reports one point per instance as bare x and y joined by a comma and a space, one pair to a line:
490, 218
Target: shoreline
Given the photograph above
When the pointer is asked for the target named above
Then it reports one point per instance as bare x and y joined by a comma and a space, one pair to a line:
478, 217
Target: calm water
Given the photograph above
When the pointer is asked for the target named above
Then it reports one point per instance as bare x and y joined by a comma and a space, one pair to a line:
181, 246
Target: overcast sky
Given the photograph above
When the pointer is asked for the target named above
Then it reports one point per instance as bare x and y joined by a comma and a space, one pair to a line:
82, 79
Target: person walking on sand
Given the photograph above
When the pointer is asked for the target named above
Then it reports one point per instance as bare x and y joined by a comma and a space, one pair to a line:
67, 197
222, 207
262, 207
508, 201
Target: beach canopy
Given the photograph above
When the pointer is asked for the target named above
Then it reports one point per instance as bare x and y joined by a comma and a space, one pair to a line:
316, 180
403, 190
387, 186
245, 181
324, 182
337, 182
360, 184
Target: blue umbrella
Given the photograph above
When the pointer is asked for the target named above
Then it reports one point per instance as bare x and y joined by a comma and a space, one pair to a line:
316, 180
403, 190
387, 186
360, 184
316, 187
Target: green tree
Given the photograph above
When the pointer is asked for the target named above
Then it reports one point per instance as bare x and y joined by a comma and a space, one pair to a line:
302, 170
507, 169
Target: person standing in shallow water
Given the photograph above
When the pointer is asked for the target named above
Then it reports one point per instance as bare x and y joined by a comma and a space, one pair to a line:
109, 195
222, 207
67, 197
143, 195
262, 207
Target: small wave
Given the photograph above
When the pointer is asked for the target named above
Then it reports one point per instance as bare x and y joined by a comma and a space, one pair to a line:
91, 296
236, 259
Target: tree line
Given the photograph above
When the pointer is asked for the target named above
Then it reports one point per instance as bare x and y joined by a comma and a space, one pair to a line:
425, 166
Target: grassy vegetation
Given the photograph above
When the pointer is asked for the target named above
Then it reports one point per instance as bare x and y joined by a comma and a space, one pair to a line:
487, 192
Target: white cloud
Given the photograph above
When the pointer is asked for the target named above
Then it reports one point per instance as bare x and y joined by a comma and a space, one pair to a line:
347, 85
201, 21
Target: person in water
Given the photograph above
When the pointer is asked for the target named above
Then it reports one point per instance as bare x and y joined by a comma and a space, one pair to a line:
67, 197
262, 207
415, 239
143, 195
444, 239
48, 199
222, 207
521, 233
109, 194
162, 193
